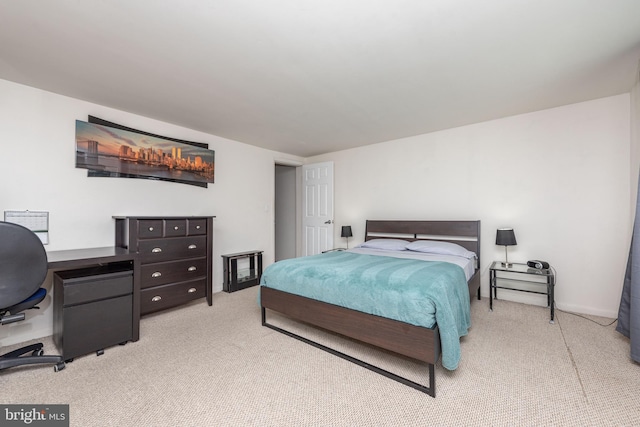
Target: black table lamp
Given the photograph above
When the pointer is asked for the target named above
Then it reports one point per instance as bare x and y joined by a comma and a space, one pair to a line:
346, 232
506, 237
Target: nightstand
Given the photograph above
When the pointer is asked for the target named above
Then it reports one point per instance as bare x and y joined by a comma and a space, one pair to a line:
522, 278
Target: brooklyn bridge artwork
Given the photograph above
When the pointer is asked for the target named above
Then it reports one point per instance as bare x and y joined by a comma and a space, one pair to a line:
108, 151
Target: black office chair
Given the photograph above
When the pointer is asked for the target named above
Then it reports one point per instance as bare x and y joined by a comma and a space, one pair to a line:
23, 268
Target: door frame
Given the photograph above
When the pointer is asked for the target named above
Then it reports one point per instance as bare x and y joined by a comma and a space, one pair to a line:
298, 203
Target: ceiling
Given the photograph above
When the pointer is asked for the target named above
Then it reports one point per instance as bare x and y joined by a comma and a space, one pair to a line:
307, 77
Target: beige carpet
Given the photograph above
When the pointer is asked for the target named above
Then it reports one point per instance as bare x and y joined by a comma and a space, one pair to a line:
217, 366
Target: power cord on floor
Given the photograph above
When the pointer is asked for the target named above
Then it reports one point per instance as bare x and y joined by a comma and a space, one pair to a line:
580, 315
591, 320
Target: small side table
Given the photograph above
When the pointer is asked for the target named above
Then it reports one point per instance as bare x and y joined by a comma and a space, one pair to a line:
518, 272
236, 278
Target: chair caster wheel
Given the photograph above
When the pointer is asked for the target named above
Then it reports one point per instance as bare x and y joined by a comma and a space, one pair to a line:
69, 360
38, 352
58, 367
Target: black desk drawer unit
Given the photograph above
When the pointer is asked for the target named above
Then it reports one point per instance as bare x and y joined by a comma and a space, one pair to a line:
175, 258
93, 309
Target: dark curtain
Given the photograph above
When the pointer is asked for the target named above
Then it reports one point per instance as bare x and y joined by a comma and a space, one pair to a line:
629, 312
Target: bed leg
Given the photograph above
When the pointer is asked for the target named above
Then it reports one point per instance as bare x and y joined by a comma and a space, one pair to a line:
264, 316
432, 380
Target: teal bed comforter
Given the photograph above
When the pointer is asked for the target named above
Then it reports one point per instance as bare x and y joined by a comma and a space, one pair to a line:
418, 292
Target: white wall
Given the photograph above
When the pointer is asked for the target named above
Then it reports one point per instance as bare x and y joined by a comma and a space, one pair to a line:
560, 177
37, 138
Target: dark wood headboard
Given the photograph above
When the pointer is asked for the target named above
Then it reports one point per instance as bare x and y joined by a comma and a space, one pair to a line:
463, 233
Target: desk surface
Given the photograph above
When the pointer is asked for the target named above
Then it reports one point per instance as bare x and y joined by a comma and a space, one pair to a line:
78, 258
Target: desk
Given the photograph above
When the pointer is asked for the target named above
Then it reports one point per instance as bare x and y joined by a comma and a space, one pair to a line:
92, 257
81, 258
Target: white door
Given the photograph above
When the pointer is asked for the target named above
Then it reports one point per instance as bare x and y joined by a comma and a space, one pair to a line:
317, 212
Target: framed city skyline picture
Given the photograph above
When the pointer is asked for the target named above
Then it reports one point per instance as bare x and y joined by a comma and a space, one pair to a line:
107, 149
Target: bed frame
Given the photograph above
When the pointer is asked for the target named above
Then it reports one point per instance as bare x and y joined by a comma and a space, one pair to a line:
416, 342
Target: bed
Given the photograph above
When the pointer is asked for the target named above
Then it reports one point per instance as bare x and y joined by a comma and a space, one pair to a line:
420, 341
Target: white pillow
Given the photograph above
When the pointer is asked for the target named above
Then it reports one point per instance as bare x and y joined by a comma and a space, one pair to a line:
443, 248
385, 244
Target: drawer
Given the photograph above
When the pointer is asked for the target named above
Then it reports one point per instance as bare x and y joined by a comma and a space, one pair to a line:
175, 227
83, 289
172, 271
158, 250
197, 226
165, 296
149, 228
96, 326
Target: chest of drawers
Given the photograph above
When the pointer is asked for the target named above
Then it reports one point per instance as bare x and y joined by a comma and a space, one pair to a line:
175, 255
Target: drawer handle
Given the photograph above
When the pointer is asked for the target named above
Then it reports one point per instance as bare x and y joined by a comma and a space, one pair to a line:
192, 247
192, 268
156, 298
192, 290
156, 250
197, 227
150, 228
176, 227
156, 274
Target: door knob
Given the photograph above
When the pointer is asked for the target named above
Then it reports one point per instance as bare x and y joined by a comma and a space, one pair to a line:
328, 222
